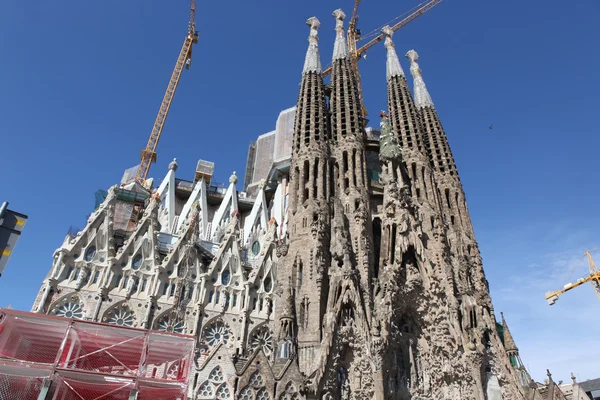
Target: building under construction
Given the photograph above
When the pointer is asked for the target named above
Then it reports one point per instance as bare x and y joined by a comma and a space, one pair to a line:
347, 268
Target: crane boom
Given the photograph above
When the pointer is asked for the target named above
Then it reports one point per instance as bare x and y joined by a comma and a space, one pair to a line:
422, 8
594, 278
148, 155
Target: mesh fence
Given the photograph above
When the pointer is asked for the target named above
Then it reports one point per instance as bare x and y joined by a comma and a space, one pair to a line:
155, 391
31, 339
19, 387
168, 358
91, 388
89, 360
99, 348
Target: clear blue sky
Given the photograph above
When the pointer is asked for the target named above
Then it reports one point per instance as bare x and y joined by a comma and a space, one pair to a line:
81, 82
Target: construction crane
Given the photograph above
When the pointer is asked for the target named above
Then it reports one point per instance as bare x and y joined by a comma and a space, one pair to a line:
148, 155
593, 277
354, 36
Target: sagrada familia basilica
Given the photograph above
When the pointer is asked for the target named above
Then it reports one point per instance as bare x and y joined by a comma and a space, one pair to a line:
323, 284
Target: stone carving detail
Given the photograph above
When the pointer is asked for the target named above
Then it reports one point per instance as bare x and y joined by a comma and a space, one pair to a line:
346, 308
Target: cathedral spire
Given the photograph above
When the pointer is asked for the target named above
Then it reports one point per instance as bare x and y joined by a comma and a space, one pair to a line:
312, 62
392, 67
422, 97
340, 47
509, 342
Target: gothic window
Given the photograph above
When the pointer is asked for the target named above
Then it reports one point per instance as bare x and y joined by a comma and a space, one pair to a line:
96, 275
255, 248
70, 309
225, 276
268, 284
122, 317
90, 253
217, 332
223, 392
263, 394
256, 380
169, 323
263, 339
291, 392
247, 394
137, 262
216, 375
69, 272
215, 386
256, 389
206, 390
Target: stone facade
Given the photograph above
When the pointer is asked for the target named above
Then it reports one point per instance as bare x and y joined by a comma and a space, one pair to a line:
325, 284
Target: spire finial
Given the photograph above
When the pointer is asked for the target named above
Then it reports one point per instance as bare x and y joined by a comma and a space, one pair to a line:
509, 342
312, 62
393, 67
173, 165
340, 47
422, 97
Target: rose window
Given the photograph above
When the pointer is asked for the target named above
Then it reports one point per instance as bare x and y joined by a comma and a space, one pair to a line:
122, 317
70, 310
217, 333
170, 324
262, 339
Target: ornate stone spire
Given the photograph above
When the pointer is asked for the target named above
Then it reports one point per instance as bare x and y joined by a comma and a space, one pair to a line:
312, 62
509, 342
392, 67
422, 97
340, 47
388, 144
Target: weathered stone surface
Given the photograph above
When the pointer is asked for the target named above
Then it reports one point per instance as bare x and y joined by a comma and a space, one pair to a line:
356, 294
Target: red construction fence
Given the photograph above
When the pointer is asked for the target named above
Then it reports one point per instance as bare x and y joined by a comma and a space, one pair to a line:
47, 357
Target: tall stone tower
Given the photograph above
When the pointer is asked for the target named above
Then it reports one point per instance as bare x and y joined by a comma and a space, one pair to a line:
328, 282
304, 278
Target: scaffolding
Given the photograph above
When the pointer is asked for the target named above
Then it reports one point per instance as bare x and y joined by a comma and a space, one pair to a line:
47, 357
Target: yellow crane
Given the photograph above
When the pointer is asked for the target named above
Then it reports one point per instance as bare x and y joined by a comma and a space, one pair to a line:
148, 155
354, 36
593, 277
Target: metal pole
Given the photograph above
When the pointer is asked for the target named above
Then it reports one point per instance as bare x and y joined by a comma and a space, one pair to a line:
3, 207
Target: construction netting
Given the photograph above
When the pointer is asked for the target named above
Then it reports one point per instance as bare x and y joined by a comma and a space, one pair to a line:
129, 175
162, 391
102, 349
204, 169
74, 386
284, 133
19, 382
86, 360
265, 144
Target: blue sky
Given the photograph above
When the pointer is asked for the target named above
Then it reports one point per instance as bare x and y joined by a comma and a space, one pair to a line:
80, 85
